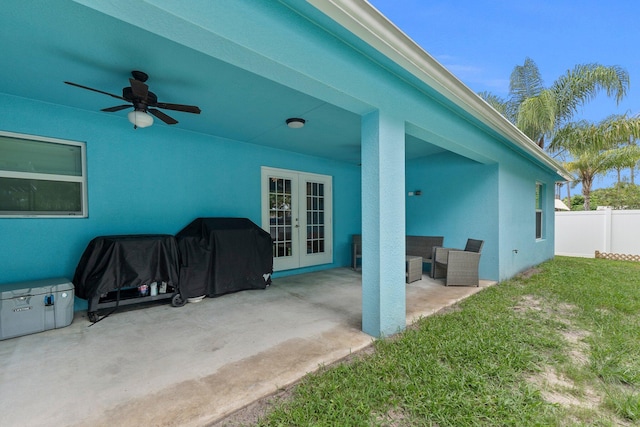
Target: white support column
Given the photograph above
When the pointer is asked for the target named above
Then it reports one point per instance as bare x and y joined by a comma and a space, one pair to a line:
383, 224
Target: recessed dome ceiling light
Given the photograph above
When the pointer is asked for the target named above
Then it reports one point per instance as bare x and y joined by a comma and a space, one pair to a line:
295, 123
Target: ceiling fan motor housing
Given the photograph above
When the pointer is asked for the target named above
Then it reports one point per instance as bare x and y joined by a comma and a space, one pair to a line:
140, 75
151, 100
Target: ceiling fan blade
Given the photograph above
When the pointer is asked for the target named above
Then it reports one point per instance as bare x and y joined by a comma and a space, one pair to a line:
139, 89
162, 116
116, 108
179, 107
95, 90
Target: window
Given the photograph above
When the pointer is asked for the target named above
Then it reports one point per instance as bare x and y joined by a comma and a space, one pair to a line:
42, 177
539, 213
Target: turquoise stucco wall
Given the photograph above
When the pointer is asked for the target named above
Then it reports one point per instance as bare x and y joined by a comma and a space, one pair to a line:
153, 180
519, 248
459, 200
464, 199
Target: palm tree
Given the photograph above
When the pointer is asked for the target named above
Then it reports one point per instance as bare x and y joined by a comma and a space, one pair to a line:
627, 127
596, 148
539, 112
587, 165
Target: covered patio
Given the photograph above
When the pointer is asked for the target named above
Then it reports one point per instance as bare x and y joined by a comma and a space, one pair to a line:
401, 146
193, 365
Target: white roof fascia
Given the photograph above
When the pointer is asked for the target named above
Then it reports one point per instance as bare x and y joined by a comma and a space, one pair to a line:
366, 22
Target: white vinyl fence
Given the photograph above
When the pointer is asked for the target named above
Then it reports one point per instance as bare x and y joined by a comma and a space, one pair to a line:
581, 234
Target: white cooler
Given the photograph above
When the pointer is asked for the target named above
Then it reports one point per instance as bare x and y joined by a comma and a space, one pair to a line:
36, 306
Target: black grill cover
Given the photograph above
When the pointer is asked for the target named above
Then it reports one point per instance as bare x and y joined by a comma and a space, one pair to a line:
222, 255
112, 262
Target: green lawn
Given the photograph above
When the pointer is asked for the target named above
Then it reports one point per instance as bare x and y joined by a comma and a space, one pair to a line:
558, 348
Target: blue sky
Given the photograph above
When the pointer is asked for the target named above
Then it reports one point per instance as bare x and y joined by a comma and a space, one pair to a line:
481, 41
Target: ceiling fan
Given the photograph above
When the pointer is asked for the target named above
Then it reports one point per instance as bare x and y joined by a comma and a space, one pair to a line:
143, 101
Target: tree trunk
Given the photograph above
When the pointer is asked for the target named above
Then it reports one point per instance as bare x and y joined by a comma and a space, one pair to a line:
586, 192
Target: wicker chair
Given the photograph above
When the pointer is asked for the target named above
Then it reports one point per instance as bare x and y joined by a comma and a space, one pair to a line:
356, 251
422, 246
458, 267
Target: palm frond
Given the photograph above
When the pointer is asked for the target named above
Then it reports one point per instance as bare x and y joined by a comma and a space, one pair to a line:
583, 83
498, 103
613, 132
622, 130
525, 82
536, 116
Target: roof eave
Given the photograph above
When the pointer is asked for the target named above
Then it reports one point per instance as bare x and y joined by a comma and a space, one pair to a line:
366, 22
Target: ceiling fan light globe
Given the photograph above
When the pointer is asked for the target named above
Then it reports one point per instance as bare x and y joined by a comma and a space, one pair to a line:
140, 119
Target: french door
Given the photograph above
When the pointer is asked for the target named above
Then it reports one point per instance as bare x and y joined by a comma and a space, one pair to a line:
297, 212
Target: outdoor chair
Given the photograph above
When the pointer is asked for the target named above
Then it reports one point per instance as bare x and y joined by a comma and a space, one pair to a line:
422, 246
356, 251
458, 267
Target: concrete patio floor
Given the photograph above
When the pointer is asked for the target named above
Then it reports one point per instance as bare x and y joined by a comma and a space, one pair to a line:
191, 366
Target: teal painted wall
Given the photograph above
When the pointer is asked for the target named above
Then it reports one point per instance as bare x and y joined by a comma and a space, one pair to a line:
153, 180
465, 199
519, 248
459, 200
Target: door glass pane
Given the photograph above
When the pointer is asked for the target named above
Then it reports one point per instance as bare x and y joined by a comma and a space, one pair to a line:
315, 217
280, 214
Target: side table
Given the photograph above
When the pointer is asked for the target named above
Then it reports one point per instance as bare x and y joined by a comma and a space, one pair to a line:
414, 268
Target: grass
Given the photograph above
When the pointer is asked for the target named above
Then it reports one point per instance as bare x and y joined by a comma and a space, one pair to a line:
557, 348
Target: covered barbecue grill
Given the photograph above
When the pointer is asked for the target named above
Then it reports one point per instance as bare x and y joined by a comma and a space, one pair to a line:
122, 264
223, 255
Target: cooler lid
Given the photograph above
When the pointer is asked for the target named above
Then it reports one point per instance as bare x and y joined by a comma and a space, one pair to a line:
35, 287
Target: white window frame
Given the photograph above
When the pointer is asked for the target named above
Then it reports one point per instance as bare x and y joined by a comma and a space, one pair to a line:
539, 209
82, 179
